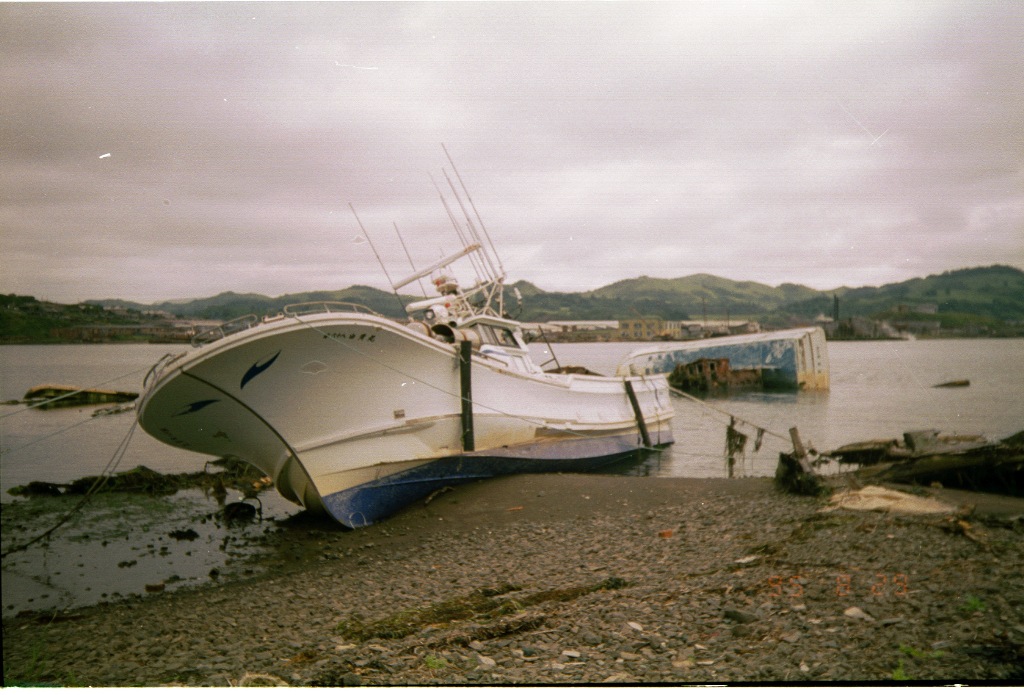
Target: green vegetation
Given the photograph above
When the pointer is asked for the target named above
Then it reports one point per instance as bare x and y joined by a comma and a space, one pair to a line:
28, 320
435, 662
899, 673
972, 604
38, 674
229, 305
920, 653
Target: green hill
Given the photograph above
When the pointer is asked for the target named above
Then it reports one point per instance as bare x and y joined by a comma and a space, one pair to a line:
229, 305
24, 319
694, 295
992, 296
996, 292
986, 301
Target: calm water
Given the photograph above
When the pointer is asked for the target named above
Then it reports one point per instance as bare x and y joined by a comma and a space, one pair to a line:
879, 390
63, 444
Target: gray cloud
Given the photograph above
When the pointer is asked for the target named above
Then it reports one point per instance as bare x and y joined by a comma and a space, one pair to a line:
825, 144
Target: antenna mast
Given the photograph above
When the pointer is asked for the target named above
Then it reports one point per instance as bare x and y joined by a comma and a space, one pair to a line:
411, 264
492, 272
478, 267
465, 190
382, 267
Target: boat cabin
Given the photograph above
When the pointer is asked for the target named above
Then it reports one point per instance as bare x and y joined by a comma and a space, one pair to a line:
492, 337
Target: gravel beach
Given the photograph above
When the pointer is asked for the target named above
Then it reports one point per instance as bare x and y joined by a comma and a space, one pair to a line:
573, 579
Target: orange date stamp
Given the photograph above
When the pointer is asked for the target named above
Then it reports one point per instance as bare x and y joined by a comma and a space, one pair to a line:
878, 584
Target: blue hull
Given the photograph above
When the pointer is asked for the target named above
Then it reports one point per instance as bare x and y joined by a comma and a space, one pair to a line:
776, 358
790, 359
366, 504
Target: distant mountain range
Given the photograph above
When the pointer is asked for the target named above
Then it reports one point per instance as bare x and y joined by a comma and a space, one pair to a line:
989, 296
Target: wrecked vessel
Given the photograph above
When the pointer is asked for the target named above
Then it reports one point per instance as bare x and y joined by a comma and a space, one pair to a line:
356, 415
793, 359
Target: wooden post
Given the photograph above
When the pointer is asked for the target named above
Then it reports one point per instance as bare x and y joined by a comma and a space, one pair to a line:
466, 385
730, 447
794, 473
798, 446
799, 452
638, 414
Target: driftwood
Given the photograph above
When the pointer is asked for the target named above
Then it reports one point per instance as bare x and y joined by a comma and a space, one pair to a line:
794, 473
929, 458
791, 476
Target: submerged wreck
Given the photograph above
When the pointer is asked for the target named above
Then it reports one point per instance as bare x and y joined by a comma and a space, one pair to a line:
969, 462
47, 396
795, 359
714, 376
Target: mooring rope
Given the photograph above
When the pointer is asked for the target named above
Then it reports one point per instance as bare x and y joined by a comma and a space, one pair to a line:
40, 404
708, 406
34, 406
100, 481
5, 452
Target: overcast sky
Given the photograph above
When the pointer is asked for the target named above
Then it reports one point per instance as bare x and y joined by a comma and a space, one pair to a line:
153, 151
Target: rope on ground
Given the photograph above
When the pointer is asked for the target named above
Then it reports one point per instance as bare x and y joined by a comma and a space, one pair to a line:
100, 481
761, 431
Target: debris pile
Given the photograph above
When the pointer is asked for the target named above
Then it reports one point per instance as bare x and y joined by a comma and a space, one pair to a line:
928, 457
47, 396
236, 474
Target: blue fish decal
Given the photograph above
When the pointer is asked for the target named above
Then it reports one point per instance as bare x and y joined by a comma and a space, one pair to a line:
194, 407
256, 369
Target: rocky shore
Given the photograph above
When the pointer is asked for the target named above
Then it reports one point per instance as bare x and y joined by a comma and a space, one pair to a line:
566, 579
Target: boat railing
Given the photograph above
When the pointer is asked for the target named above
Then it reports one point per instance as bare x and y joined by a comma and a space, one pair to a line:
157, 369
246, 322
225, 329
327, 307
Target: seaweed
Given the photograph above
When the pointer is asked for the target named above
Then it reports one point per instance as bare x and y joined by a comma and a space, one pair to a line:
479, 605
235, 474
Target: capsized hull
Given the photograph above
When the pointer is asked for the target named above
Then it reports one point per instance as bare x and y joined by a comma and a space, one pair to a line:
791, 359
357, 415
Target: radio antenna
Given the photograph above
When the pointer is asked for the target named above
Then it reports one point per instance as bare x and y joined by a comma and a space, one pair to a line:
411, 264
379, 261
473, 206
478, 267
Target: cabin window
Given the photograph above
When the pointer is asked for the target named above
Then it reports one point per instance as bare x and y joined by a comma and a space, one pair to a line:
505, 337
487, 334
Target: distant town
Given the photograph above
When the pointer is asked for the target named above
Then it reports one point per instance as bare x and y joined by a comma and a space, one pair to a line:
161, 327
653, 328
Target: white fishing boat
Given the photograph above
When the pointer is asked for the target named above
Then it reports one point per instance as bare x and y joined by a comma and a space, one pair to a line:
356, 415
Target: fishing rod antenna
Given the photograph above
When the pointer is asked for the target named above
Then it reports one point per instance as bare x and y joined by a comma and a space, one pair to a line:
366, 235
